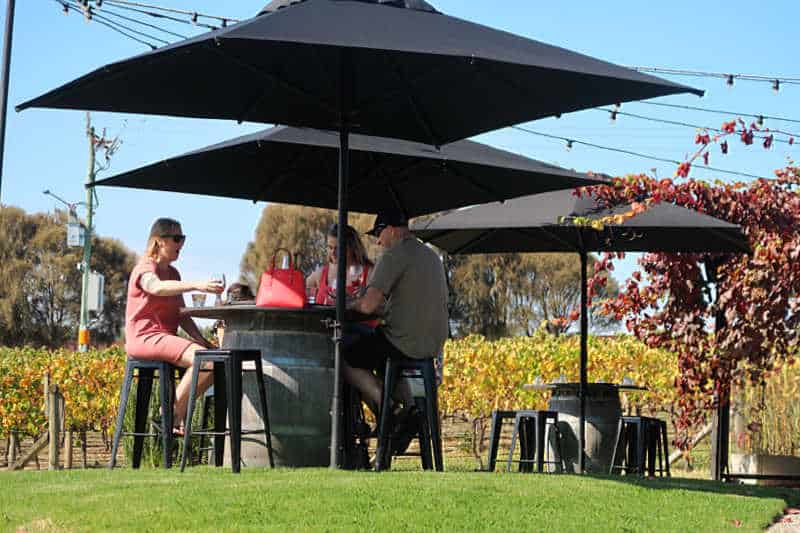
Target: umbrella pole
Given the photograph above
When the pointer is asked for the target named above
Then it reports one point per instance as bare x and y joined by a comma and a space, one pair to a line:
583, 383
341, 281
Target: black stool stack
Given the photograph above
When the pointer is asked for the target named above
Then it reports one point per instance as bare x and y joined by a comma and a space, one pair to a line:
145, 371
430, 435
227, 367
641, 446
530, 428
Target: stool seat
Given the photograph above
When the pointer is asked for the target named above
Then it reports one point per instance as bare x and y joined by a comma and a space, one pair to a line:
641, 445
429, 434
228, 395
533, 447
144, 371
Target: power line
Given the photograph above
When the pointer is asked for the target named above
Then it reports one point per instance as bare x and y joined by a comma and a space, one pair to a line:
68, 7
163, 16
729, 77
570, 142
91, 14
148, 25
170, 10
615, 112
719, 112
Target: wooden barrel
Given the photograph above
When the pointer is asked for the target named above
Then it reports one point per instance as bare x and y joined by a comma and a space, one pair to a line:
603, 412
297, 354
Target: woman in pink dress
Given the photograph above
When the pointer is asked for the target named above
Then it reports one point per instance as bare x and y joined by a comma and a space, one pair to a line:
152, 319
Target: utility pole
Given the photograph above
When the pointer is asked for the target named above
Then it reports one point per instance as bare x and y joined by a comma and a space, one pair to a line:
4, 82
83, 331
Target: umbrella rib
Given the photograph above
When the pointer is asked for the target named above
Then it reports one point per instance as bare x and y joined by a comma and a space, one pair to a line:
488, 190
482, 237
550, 234
743, 246
397, 202
388, 178
272, 78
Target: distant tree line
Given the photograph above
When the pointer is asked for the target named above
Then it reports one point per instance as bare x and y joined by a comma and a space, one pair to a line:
40, 282
494, 295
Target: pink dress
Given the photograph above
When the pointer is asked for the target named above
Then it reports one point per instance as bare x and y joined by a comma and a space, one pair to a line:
151, 322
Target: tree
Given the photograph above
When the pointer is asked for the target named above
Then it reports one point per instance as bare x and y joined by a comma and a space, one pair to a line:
513, 294
301, 230
729, 317
40, 284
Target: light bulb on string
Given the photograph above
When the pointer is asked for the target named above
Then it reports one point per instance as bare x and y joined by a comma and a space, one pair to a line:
760, 121
569, 145
776, 85
729, 81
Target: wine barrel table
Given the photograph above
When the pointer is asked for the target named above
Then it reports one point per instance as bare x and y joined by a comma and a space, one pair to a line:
297, 356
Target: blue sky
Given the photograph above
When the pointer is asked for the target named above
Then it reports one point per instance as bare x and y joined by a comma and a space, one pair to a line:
46, 149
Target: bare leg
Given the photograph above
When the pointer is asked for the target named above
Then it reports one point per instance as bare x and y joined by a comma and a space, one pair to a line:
368, 385
182, 392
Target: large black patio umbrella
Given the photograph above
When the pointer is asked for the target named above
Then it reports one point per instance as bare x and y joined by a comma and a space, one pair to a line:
298, 166
393, 68
546, 223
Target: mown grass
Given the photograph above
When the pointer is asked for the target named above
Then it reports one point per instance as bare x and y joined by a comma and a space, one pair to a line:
208, 499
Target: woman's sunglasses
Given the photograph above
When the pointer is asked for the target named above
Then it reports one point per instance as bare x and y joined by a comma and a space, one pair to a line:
177, 239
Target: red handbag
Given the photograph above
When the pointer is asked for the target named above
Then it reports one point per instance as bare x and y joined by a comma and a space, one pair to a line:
282, 287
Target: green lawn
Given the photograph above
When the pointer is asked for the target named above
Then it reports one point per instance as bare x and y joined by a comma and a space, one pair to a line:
210, 499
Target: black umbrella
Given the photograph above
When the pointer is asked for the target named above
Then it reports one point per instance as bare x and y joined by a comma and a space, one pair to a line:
394, 68
546, 223
298, 166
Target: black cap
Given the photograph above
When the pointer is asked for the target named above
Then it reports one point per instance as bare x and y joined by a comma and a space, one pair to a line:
387, 217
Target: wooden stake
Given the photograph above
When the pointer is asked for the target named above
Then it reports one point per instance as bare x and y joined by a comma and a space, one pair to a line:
54, 424
11, 458
68, 449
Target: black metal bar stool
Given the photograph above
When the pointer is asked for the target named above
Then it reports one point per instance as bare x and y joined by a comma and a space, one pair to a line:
641, 446
228, 394
144, 371
533, 450
429, 435
494, 437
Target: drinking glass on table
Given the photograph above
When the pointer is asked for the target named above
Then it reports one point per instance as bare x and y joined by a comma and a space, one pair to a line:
220, 278
198, 299
311, 294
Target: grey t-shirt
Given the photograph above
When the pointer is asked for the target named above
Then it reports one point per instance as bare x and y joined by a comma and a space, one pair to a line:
412, 278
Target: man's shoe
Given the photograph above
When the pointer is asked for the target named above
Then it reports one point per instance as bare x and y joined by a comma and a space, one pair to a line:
406, 428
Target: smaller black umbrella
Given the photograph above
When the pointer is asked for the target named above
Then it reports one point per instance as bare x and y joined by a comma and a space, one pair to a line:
299, 166
545, 223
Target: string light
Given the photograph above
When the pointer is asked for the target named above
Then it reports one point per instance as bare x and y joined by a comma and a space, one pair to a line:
729, 81
760, 121
569, 145
776, 85
570, 142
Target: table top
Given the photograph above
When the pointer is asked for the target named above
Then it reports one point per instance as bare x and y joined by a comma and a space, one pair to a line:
223, 311
575, 386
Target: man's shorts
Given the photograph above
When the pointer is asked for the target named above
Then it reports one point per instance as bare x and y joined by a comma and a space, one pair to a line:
370, 351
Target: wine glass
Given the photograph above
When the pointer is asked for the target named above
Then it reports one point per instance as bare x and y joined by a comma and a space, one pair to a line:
218, 300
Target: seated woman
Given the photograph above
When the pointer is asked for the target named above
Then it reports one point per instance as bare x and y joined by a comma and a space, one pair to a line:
359, 267
151, 317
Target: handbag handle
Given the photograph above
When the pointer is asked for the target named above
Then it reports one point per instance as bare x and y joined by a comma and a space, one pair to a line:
276, 252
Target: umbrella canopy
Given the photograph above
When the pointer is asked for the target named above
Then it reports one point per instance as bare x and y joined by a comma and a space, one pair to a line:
545, 223
389, 68
532, 224
392, 68
298, 166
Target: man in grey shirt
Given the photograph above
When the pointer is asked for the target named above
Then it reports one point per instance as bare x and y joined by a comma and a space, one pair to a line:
408, 288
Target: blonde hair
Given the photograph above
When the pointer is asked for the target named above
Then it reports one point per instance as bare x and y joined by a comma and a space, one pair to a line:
162, 226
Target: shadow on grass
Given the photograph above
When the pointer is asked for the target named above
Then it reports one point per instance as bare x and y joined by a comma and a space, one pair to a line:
790, 496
